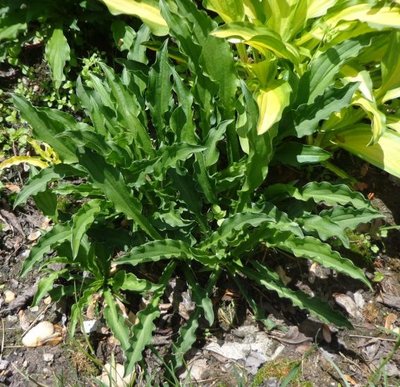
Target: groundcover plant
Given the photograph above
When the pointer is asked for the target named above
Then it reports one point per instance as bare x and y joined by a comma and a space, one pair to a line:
165, 176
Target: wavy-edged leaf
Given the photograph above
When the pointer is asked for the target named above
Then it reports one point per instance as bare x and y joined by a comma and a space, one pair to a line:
325, 228
166, 157
164, 249
57, 55
112, 184
241, 221
147, 10
82, 189
135, 284
57, 235
81, 221
312, 248
332, 194
318, 308
236, 222
384, 154
38, 183
349, 217
333, 100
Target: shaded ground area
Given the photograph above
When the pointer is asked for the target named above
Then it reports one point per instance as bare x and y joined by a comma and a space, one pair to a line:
236, 350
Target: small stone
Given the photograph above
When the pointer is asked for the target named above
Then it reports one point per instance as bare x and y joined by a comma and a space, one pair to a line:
9, 296
90, 326
33, 236
47, 300
4, 364
48, 357
38, 334
34, 309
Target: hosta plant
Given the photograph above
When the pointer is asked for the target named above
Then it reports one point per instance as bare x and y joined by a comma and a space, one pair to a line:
326, 72
165, 177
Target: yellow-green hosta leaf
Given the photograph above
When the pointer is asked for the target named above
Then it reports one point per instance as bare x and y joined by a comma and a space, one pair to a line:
384, 154
390, 66
261, 38
391, 94
147, 10
393, 122
16, 160
228, 10
318, 8
286, 17
352, 74
271, 103
281, 49
380, 16
378, 119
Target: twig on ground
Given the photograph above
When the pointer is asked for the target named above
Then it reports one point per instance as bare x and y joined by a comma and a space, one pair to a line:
372, 337
3, 335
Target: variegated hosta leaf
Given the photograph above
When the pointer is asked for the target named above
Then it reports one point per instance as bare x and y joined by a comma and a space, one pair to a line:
390, 68
287, 17
393, 122
147, 10
380, 16
378, 119
318, 8
271, 104
384, 154
391, 94
228, 10
362, 77
261, 38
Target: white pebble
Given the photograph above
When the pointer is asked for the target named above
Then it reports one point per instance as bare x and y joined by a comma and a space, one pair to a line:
38, 334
